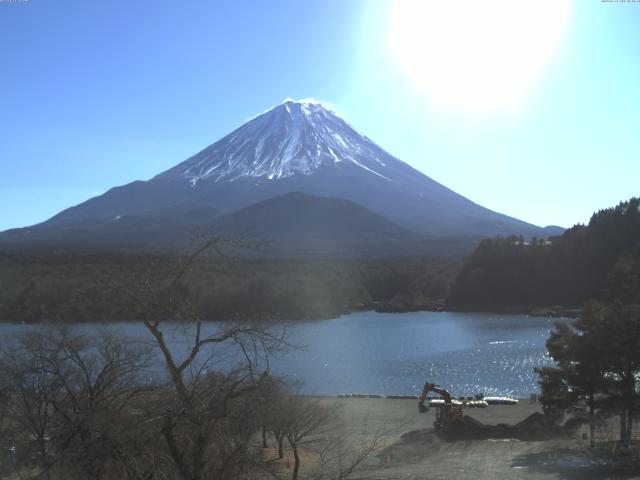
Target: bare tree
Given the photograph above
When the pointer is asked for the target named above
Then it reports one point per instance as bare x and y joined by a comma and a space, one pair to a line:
99, 378
212, 412
304, 421
315, 427
340, 456
68, 399
30, 396
277, 429
271, 412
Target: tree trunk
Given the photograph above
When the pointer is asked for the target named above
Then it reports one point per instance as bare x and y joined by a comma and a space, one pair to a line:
623, 426
628, 392
280, 440
174, 451
591, 421
43, 455
199, 462
296, 462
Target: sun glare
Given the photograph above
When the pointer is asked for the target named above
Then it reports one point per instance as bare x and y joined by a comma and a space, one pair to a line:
475, 55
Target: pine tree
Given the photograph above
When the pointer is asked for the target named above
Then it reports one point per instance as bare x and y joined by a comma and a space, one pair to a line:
598, 356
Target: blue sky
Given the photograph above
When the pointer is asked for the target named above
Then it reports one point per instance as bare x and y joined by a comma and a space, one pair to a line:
98, 94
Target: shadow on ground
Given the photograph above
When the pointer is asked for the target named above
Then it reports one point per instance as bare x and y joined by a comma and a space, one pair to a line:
413, 446
566, 464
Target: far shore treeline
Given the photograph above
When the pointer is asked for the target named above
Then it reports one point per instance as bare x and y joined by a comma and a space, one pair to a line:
512, 274
567, 271
39, 288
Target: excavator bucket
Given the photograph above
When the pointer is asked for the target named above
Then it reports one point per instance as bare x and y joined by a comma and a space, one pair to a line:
422, 408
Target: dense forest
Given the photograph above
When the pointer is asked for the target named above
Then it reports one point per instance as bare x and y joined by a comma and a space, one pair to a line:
511, 273
78, 288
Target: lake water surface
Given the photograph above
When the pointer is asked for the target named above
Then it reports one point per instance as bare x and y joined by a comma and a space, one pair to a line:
370, 352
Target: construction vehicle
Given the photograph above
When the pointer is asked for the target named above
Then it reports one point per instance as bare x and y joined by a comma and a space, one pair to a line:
448, 413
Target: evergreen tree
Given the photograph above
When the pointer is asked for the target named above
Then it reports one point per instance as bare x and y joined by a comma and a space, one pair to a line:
598, 356
574, 384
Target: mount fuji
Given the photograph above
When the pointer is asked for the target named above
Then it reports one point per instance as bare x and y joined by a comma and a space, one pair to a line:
296, 147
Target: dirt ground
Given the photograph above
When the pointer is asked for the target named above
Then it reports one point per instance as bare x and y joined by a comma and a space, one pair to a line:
412, 450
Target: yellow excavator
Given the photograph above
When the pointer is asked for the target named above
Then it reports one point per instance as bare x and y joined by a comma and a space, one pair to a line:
448, 413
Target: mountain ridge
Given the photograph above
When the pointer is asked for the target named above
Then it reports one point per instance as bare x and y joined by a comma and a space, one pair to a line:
296, 147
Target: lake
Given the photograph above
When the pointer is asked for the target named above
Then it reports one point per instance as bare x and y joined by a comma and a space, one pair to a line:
368, 352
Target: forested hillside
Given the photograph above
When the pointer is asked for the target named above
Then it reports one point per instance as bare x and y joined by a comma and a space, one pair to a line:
78, 288
566, 270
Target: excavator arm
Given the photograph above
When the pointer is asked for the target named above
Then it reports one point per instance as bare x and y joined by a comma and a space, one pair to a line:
432, 387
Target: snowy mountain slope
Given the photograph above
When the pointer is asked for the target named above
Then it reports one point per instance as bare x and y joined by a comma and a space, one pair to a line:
296, 138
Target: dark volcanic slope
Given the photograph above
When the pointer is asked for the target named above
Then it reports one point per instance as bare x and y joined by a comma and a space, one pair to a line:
298, 214
127, 233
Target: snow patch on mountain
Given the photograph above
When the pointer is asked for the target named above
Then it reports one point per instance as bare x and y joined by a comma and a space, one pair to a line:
295, 138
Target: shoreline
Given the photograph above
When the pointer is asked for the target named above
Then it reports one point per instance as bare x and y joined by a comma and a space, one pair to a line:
542, 312
555, 311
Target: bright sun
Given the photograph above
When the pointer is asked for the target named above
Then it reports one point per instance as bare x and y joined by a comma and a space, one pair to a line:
475, 55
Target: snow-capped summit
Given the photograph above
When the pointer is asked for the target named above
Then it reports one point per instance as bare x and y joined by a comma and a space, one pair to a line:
294, 138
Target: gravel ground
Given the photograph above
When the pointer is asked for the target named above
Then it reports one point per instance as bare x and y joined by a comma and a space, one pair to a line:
411, 449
